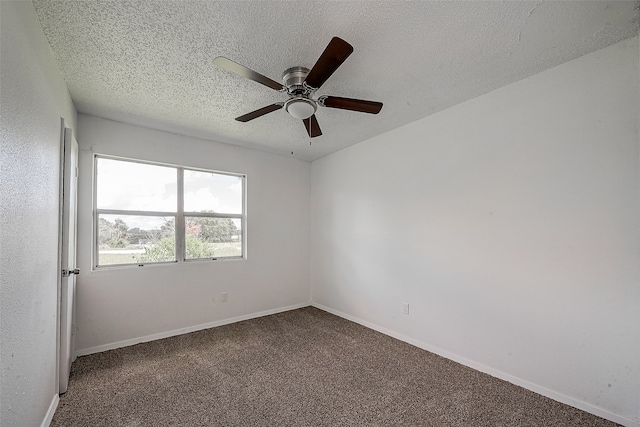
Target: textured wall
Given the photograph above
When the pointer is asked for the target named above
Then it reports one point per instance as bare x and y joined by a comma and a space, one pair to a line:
510, 224
120, 306
34, 97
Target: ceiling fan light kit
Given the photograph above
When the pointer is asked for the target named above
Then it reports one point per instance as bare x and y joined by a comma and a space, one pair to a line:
300, 108
300, 84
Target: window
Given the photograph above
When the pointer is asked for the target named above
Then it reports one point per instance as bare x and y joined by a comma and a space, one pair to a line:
151, 213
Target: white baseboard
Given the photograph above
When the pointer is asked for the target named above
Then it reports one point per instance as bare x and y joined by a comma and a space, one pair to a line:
51, 411
488, 370
161, 335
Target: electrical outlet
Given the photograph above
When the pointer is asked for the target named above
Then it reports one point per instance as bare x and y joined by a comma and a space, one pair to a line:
223, 297
405, 308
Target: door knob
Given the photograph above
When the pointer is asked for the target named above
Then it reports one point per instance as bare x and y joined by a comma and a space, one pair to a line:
67, 273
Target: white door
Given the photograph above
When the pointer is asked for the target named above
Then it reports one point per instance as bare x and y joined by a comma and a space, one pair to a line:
68, 256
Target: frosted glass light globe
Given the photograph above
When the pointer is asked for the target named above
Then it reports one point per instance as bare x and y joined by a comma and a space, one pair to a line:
300, 108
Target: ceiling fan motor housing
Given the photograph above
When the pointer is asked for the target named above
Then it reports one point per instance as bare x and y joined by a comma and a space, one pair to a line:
293, 79
300, 105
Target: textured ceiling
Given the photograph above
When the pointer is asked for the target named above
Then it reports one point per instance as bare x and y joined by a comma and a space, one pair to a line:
149, 62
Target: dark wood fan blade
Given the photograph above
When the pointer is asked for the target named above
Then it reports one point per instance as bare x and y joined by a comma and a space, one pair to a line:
312, 126
243, 71
336, 52
261, 112
360, 105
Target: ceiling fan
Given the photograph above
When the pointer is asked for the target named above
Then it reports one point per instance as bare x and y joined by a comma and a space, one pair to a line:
300, 84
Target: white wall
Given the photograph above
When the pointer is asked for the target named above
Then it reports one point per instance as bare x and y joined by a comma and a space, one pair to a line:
510, 224
124, 306
33, 99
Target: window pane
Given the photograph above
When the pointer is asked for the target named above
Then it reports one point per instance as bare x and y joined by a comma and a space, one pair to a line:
213, 237
128, 239
135, 186
212, 192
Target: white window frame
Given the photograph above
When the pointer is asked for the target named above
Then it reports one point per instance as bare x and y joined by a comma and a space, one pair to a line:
179, 216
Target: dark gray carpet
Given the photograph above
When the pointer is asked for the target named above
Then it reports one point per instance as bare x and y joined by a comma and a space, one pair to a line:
300, 368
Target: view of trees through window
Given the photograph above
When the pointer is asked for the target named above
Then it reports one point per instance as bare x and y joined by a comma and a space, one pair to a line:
137, 211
